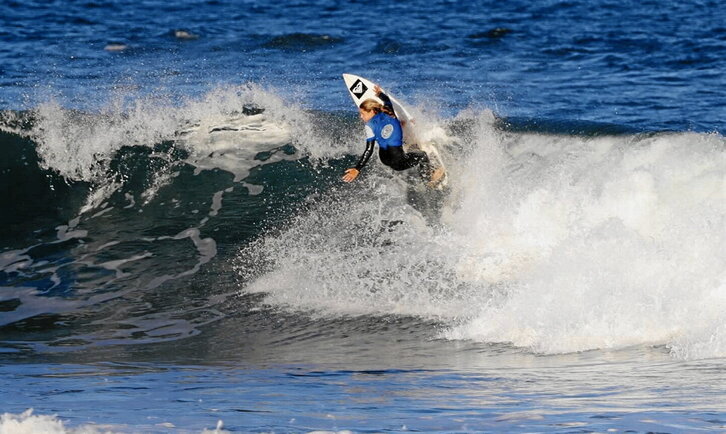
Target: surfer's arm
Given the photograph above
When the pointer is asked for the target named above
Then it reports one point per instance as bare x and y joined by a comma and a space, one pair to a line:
386, 100
352, 173
363, 160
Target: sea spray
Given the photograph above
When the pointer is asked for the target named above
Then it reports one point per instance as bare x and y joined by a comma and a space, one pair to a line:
78, 145
556, 243
606, 243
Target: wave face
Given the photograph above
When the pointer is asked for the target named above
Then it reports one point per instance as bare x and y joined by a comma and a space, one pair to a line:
105, 213
600, 238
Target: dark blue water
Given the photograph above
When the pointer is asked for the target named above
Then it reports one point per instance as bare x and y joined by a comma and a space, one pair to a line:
177, 248
650, 65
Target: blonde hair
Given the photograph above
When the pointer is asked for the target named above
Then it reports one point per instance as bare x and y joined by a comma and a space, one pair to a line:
371, 105
376, 107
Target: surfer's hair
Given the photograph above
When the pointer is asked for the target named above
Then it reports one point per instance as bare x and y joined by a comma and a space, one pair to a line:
371, 105
376, 107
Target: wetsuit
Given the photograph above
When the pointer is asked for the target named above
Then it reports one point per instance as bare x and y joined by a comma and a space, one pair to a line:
387, 132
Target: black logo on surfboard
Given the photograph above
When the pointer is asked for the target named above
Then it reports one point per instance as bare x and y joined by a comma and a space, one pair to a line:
358, 89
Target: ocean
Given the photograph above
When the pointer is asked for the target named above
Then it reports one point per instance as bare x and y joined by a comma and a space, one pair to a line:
178, 252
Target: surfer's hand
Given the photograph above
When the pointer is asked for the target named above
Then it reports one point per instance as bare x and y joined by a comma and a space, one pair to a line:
377, 89
351, 174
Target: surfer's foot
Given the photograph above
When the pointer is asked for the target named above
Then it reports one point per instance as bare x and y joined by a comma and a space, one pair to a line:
436, 177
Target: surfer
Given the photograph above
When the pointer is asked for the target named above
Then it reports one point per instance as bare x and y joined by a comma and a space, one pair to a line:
384, 128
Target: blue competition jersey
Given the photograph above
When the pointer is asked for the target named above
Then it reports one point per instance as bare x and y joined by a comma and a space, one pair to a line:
386, 131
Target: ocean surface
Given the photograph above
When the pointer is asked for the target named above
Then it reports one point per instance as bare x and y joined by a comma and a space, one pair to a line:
179, 254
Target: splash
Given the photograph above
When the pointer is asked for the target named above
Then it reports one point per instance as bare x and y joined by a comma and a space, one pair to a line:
555, 243
365, 249
224, 129
602, 243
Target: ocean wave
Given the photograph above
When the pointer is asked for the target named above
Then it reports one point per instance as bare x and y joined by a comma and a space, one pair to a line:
137, 147
555, 237
136, 199
553, 242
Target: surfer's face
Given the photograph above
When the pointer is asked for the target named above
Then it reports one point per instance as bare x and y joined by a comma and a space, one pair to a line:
366, 115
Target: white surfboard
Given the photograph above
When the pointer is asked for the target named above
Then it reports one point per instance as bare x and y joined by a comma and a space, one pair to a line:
361, 89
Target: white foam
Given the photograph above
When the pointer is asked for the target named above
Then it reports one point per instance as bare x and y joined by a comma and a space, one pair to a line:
231, 144
27, 423
79, 146
607, 242
32, 303
69, 231
553, 243
374, 254
13, 260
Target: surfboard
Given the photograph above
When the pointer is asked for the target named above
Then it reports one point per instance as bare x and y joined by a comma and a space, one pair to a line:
361, 89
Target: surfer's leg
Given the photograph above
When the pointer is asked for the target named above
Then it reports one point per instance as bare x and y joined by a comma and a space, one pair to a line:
420, 159
395, 158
